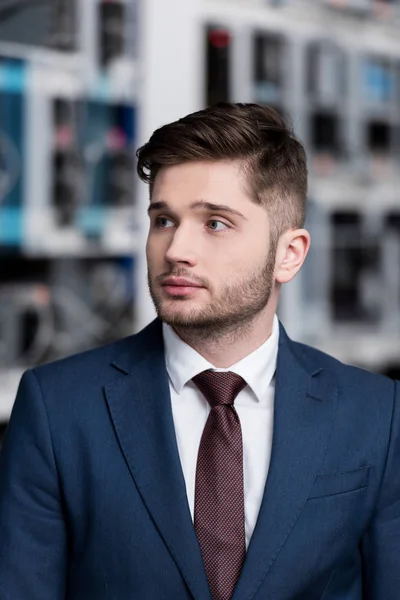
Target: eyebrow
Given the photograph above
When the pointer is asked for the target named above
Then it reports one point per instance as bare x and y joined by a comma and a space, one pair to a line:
198, 205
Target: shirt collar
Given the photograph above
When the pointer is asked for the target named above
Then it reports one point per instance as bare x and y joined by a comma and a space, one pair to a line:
257, 368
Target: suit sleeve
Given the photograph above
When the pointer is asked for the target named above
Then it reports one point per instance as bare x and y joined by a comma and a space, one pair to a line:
33, 551
380, 547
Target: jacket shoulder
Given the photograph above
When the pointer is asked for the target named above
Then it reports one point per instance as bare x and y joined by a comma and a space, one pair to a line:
98, 365
345, 374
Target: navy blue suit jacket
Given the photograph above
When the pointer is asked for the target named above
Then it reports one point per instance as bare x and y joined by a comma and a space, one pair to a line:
92, 496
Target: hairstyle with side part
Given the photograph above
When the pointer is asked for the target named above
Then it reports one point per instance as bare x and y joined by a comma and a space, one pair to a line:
257, 137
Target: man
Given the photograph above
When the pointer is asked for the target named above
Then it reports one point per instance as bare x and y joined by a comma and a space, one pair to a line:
208, 456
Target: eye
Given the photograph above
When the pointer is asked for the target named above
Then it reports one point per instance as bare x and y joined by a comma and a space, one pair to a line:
163, 223
216, 225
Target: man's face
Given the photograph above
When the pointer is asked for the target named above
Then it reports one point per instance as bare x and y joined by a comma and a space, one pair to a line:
210, 265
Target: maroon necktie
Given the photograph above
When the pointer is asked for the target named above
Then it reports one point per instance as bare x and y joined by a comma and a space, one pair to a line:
219, 493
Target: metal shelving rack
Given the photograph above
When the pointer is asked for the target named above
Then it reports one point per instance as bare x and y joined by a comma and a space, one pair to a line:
68, 120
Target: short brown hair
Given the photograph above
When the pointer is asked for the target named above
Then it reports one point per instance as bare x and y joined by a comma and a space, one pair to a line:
274, 160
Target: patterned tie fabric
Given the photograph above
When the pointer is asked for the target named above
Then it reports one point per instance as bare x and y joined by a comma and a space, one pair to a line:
219, 493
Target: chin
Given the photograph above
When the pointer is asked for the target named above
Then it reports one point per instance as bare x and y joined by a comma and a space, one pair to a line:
178, 315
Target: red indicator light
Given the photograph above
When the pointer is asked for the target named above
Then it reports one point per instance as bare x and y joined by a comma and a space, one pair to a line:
219, 38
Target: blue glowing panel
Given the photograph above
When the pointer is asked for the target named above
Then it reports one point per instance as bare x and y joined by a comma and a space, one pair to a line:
12, 150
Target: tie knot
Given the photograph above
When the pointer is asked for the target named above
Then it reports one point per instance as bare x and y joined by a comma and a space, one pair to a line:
219, 387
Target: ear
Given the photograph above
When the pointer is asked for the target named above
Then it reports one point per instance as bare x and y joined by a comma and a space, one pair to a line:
291, 253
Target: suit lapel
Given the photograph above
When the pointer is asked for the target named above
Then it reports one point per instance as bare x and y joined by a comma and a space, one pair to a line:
303, 415
140, 408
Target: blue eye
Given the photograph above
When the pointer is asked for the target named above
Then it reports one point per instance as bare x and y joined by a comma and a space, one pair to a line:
214, 224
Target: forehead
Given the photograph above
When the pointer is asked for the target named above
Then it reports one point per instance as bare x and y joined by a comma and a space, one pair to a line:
212, 181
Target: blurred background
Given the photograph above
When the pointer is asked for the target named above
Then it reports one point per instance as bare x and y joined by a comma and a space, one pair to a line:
84, 82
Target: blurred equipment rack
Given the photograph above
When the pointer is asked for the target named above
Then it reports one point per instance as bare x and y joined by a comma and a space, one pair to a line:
68, 215
333, 68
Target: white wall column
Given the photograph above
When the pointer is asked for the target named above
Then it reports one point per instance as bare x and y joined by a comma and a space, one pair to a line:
170, 61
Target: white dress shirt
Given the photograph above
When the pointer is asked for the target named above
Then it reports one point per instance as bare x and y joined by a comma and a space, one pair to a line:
254, 405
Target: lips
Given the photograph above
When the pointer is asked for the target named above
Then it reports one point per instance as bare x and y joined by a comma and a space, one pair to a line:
180, 287
179, 282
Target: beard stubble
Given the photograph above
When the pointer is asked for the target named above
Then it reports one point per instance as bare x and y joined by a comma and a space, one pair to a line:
237, 306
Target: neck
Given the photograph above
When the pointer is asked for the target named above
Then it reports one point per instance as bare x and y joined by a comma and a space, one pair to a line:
232, 345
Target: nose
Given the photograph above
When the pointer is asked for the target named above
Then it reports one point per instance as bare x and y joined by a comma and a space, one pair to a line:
181, 248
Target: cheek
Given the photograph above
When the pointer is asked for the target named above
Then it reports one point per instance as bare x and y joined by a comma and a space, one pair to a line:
247, 254
154, 250
255, 251
148, 251
226, 268
154, 263
242, 265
